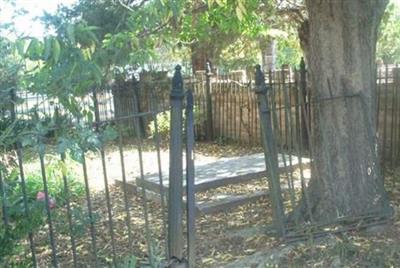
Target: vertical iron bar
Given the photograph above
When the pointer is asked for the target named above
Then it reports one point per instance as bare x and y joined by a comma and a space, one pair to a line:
304, 142
126, 199
90, 211
397, 84
278, 129
67, 194
235, 104
48, 210
254, 112
303, 89
385, 117
278, 104
223, 111
201, 98
138, 134
252, 105
209, 127
156, 139
69, 215
18, 148
25, 200
289, 172
190, 187
175, 231
392, 126
107, 192
378, 93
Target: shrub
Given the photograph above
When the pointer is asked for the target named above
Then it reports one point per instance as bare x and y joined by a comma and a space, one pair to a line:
164, 122
12, 199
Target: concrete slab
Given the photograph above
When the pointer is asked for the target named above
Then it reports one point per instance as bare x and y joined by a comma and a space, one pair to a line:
225, 171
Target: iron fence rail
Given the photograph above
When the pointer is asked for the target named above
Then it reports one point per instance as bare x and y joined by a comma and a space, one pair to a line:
56, 244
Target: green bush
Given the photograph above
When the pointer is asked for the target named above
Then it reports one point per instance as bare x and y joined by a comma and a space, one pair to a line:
164, 122
19, 225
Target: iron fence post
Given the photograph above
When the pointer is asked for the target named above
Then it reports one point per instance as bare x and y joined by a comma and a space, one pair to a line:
209, 127
270, 152
175, 230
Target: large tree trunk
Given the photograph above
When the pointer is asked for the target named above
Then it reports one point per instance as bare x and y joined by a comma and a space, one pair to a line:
201, 53
341, 56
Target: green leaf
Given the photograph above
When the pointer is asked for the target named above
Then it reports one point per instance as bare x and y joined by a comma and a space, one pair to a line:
110, 134
47, 48
97, 73
20, 44
71, 33
56, 50
34, 49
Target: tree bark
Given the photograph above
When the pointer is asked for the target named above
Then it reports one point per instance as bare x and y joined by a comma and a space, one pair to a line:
341, 45
201, 53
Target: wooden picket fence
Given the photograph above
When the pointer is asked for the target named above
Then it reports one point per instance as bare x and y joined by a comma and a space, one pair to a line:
235, 117
226, 107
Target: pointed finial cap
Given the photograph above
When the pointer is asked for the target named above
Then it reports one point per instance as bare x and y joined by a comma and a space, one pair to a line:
177, 83
260, 86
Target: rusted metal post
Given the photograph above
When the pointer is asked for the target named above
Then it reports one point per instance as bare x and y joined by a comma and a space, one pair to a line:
209, 127
270, 152
175, 232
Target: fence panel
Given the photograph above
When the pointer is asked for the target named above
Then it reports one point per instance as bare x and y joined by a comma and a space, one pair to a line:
63, 213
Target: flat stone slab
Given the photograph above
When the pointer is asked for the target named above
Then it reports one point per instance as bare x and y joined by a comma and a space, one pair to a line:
225, 171
228, 202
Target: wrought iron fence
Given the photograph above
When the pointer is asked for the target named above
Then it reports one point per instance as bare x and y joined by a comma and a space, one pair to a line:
76, 218
81, 228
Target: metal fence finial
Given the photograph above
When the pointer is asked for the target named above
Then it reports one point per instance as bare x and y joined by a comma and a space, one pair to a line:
302, 64
177, 83
260, 86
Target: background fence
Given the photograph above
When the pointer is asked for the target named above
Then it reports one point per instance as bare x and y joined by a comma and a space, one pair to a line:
233, 115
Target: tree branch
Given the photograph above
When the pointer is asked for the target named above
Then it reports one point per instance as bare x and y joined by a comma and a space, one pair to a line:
129, 2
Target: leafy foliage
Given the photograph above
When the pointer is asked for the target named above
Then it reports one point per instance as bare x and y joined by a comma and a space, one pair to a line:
19, 226
164, 122
388, 46
288, 51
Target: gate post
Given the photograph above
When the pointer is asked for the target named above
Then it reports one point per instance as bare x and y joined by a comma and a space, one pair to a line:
175, 228
270, 152
209, 128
